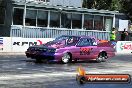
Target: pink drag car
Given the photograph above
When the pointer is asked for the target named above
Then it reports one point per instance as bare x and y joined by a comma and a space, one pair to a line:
72, 48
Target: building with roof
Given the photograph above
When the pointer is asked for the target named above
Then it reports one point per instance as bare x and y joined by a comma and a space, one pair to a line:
50, 18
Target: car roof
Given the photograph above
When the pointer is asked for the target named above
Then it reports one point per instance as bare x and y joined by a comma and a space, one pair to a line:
81, 36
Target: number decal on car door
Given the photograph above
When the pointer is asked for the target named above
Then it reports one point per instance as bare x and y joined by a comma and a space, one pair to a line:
85, 51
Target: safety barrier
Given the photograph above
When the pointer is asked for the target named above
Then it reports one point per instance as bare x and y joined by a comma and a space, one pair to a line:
37, 32
124, 47
18, 44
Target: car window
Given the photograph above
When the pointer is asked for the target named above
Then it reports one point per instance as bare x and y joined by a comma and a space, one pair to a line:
85, 42
94, 43
62, 38
72, 41
67, 37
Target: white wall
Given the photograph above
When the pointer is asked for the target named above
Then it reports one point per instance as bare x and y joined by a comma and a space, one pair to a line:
123, 24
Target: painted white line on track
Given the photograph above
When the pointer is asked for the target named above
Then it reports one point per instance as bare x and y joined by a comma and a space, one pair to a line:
124, 70
37, 75
110, 71
93, 72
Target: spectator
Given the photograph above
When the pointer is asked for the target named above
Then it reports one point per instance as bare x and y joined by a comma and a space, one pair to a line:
124, 34
113, 35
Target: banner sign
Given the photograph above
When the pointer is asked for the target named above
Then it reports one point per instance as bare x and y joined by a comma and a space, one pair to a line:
124, 46
5, 44
22, 44
18, 44
1, 44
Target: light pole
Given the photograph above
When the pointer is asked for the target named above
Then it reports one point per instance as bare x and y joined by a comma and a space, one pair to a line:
24, 14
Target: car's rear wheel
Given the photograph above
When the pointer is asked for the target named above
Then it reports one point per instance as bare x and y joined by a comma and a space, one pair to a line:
101, 57
104, 56
41, 60
66, 58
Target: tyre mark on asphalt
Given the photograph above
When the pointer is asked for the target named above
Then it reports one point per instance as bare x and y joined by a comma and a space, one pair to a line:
37, 75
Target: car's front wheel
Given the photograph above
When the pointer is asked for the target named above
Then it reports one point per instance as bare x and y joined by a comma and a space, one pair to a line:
38, 60
66, 58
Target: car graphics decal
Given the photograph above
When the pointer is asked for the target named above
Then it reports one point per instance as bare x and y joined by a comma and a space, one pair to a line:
85, 51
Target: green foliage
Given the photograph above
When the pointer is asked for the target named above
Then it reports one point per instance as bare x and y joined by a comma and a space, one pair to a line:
88, 4
119, 5
127, 7
115, 5
102, 4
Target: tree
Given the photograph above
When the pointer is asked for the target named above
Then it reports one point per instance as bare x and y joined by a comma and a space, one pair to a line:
88, 3
127, 7
102, 4
124, 6
116, 5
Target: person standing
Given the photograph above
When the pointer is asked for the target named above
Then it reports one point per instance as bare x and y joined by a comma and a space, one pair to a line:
124, 35
113, 35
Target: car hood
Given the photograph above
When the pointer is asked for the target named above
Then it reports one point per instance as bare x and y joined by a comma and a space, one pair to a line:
52, 44
55, 44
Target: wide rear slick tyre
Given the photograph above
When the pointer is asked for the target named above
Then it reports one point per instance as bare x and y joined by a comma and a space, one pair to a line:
102, 57
66, 58
38, 60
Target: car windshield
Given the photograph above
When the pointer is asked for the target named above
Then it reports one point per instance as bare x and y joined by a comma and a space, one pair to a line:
65, 40
61, 38
72, 40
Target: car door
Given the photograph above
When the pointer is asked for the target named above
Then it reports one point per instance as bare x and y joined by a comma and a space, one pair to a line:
85, 48
94, 50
